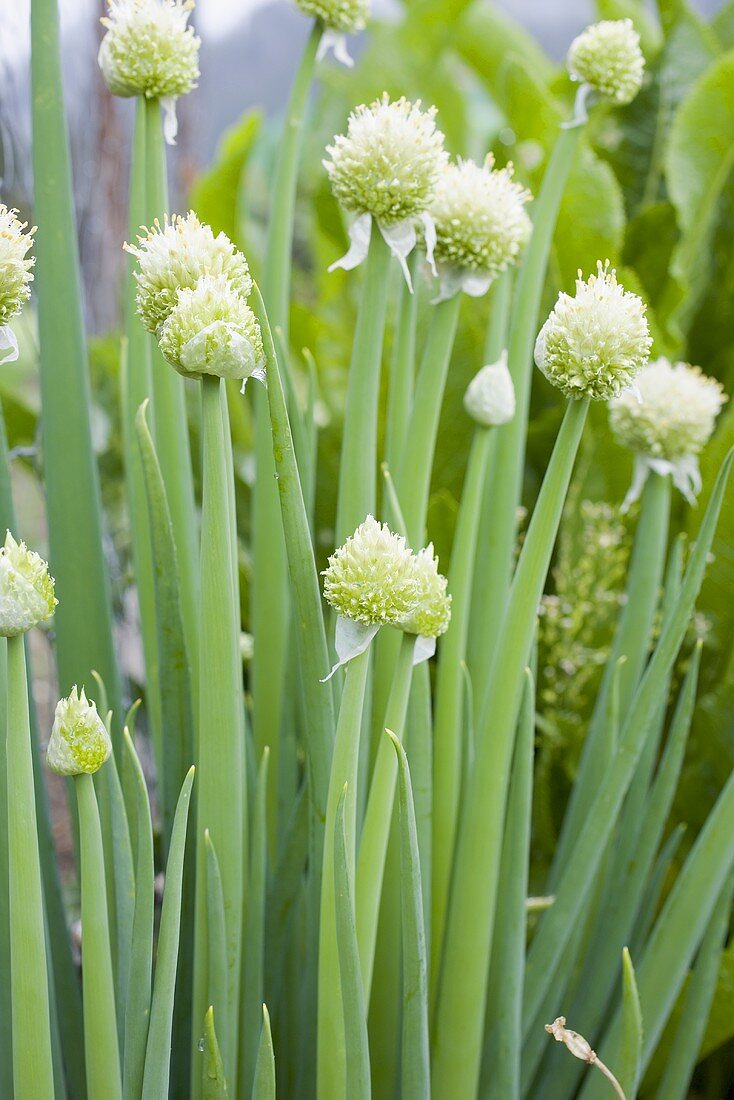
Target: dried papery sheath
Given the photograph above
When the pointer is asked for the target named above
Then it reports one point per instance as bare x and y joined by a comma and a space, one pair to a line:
606, 58
175, 255
26, 589
430, 614
595, 343
15, 277
148, 49
339, 18
490, 396
385, 168
79, 742
212, 330
669, 426
481, 225
581, 1049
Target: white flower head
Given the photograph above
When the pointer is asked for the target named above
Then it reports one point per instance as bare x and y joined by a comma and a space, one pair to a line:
16, 275
26, 589
595, 343
79, 742
607, 57
175, 255
212, 330
148, 49
490, 396
481, 223
430, 613
386, 168
338, 19
669, 425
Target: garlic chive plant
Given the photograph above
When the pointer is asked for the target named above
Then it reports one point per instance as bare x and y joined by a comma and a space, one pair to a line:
16, 275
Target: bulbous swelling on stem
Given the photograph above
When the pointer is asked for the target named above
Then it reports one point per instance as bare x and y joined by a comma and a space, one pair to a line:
595, 343
16, 275
345, 16
79, 742
148, 48
607, 57
26, 589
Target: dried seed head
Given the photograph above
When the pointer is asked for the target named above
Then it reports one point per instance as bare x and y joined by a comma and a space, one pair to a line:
79, 741
607, 56
430, 614
571, 1039
148, 48
346, 16
595, 343
26, 589
175, 255
371, 579
15, 264
490, 396
212, 330
388, 162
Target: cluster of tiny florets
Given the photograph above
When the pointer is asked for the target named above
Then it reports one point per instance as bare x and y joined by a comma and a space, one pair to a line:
676, 415
389, 161
175, 255
212, 330
607, 56
431, 612
149, 49
346, 16
79, 742
480, 217
370, 578
595, 343
15, 264
26, 589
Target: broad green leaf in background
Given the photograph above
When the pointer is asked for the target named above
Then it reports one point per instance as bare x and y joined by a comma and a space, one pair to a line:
590, 220
216, 195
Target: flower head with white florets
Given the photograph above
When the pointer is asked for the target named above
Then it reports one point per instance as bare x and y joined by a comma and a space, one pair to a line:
174, 256
481, 224
16, 275
490, 396
430, 614
386, 168
338, 18
148, 49
669, 426
606, 58
79, 742
595, 343
26, 589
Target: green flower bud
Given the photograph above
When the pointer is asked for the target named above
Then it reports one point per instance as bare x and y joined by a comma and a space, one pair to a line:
607, 57
347, 16
15, 276
370, 579
79, 742
594, 344
26, 589
430, 614
212, 330
490, 396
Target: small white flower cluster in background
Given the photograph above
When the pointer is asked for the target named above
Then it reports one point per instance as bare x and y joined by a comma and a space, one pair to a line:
490, 396
192, 294
80, 742
16, 275
375, 580
338, 18
148, 49
606, 58
671, 424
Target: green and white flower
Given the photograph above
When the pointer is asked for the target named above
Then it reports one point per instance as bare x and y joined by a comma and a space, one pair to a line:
481, 224
490, 396
148, 49
26, 589
385, 169
16, 275
595, 343
338, 18
670, 424
606, 58
430, 614
79, 742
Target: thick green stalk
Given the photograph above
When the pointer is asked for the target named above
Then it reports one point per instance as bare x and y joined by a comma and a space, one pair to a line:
6, 1003
32, 1059
357, 494
254, 934
220, 766
448, 732
509, 453
459, 1023
376, 827
263, 1087
83, 619
331, 1069
104, 1081
402, 366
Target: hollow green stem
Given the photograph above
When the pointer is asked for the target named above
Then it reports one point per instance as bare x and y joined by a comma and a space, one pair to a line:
100, 1027
459, 1022
32, 1061
402, 366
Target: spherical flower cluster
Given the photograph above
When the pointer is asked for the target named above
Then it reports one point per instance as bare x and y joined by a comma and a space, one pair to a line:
490, 396
370, 578
481, 224
431, 611
175, 255
595, 343
26, 589
212, 330
15, 276
79, 742
346, 16
608, 58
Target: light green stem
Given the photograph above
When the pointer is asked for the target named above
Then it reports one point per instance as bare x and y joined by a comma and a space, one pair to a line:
32, 1059
459, 1022
100, 1027
331, 1069
402, 367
